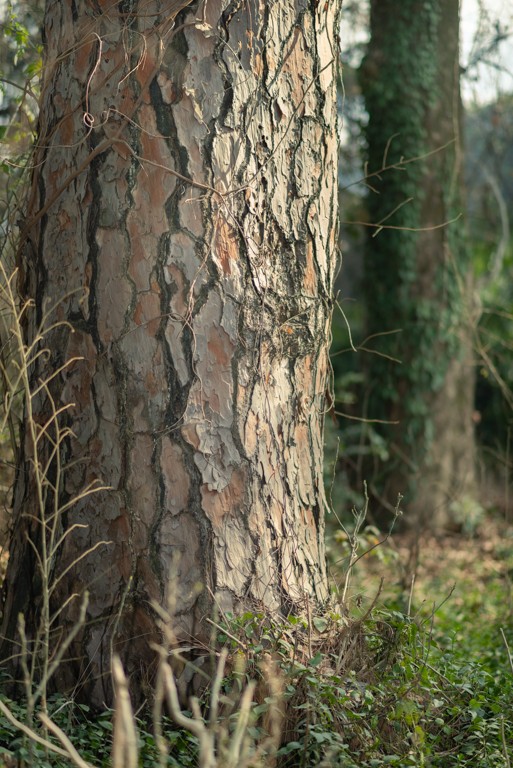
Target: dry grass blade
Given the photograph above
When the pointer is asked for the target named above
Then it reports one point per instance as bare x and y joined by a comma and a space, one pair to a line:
195, 725
124, 746
69, 750
51, 667
236, 745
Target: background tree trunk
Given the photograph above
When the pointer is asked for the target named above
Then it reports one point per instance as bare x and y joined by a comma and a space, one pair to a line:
182, 220
418, 274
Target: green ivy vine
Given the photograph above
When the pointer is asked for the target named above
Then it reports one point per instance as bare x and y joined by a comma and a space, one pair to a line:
401, 82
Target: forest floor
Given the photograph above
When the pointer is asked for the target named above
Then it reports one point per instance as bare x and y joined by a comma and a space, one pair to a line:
451, 576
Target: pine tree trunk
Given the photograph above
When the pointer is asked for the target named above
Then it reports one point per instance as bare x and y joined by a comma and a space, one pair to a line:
182, 220
418, 271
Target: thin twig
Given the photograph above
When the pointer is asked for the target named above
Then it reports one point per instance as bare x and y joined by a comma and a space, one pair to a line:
34, 736
124, 744
70, 750
510, 658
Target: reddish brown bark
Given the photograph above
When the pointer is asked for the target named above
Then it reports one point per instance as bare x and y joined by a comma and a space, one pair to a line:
183, 217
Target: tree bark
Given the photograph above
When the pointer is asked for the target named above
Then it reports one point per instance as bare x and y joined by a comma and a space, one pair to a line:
418, 272
182, 220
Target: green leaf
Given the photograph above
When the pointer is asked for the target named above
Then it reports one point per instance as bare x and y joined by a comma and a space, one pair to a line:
320, 623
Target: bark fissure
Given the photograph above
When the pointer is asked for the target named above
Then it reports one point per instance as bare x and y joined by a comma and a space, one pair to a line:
204, 320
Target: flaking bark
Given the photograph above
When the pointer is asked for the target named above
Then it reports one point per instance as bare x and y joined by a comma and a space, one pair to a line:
183, 218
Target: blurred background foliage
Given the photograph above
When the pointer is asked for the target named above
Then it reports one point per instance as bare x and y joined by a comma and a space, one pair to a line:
487, 202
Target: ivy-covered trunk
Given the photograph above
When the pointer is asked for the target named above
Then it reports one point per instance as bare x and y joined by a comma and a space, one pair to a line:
182, 221
418, 275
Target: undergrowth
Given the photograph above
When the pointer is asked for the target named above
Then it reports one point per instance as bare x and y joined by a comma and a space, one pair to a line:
431, 688
420, 675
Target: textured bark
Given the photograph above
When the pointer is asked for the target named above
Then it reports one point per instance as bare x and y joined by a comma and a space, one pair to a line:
418, 274
183, 219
